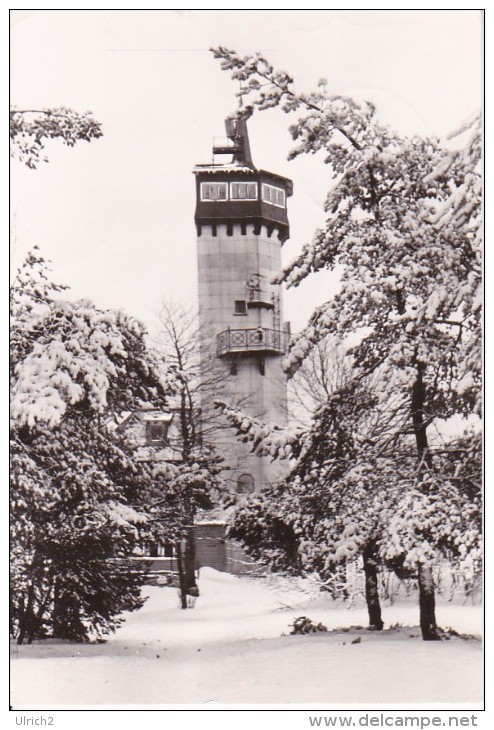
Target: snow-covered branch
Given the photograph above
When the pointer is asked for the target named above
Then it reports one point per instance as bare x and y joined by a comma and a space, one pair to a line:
265, 439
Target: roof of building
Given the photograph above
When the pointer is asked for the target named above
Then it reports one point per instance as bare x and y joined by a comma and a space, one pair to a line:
231, 168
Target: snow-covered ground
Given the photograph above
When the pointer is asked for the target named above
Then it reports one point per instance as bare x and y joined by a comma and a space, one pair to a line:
234, 647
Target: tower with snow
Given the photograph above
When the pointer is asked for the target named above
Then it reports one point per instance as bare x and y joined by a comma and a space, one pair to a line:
241, 221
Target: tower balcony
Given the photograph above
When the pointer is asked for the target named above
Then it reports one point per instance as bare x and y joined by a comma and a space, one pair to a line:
256, 340
259, 300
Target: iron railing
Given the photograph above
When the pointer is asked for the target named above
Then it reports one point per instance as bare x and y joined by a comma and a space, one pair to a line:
260, 339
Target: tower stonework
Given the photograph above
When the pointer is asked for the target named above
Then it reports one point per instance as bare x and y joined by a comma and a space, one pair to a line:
241, 221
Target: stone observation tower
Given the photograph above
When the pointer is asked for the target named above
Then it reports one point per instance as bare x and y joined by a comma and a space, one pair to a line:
241, 220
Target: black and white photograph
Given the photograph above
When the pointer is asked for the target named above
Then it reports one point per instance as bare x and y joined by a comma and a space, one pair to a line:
246, 351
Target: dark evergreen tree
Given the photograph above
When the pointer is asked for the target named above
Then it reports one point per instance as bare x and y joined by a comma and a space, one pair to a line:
77, 495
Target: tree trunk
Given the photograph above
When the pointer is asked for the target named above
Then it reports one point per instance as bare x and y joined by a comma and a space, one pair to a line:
56, 616
427, 605
189, 564
66, 619
26, 623
42, 608
181, 577
417, 407
371, 592
427, 602
186, 564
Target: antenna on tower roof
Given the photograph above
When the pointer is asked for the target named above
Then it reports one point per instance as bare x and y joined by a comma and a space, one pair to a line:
238, 139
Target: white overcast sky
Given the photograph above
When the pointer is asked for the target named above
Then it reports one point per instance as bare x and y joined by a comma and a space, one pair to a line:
116, 216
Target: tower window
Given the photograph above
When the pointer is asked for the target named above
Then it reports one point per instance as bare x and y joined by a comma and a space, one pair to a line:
275, 196
245, 484
214, 191
240, 306
243, 191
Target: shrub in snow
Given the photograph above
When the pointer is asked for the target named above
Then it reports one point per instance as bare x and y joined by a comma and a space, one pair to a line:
304, 625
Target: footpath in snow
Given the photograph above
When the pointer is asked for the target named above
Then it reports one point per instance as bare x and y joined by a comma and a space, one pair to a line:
234, 648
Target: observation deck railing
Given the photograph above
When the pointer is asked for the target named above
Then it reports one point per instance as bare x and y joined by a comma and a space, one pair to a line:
260, 339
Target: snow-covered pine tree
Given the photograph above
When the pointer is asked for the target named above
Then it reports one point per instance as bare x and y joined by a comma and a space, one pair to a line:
69, 527
403, 223
77, 495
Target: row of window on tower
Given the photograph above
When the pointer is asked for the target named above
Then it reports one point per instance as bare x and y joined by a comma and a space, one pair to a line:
242, 191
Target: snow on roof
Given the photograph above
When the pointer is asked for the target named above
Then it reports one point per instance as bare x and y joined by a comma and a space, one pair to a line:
231, 167
159, 416
145, 414
210, 522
